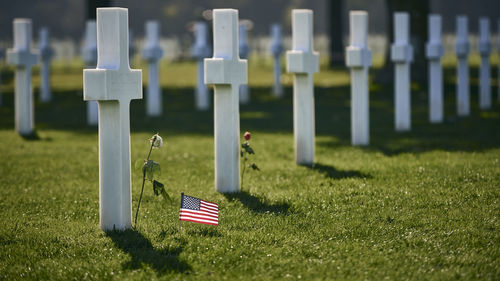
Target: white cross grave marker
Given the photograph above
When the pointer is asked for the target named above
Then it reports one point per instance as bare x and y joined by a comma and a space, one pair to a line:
244, 51
402, 55
484, 72
200, 51
303, 62
276, 50
462, 50
89, 55
46, 53
434, 52
227, 72
152, 52
358, 58
23, 58
113, 85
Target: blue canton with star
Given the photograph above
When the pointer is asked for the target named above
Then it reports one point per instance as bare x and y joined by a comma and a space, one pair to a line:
191, 203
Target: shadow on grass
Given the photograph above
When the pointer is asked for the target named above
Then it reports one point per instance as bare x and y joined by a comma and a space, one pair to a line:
143, 252
332, 173
256, 204
31, 137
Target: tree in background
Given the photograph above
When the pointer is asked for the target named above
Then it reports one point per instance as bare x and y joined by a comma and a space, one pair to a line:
92, 5
335, 18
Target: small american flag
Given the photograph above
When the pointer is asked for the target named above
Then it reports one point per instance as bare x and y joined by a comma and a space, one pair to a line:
197, 210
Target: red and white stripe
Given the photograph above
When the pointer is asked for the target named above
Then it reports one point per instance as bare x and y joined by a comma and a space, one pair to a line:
208, 214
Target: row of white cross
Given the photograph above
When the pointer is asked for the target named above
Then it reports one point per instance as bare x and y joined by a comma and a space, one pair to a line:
152, 53
112, 85
358, 58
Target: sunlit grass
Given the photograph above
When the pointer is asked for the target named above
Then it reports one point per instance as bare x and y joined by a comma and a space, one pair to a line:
416, 205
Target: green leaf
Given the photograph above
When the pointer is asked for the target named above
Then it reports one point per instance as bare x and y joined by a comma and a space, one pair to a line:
156, 186
247, 148
250, 150
159, 188
150, 169
254, 167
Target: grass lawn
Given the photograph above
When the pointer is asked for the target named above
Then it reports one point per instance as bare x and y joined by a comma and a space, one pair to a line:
418, 205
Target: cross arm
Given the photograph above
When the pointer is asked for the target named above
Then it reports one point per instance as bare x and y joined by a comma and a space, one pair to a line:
105, 84
223, 71
303, 58
112, 79
26, 58
302, 62
401, 53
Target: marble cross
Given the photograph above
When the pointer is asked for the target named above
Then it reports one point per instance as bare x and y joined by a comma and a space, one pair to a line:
152, 53
303, 62
359, 59
462, 51
23, 58
244, 50
46, 54
226, 71
200, 51
276, 50
484, 71
89, 55
402, 55
113, 85
434, 51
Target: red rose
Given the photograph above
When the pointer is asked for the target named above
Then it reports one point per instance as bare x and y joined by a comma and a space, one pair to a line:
247, 136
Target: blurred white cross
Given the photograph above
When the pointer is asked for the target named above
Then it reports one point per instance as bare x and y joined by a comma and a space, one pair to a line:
152, 53
434, 52
359, 59
402, 55
23, 58
303, 62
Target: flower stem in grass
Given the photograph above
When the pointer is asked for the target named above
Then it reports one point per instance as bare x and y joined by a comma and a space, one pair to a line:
243, 172
142, 189
246, 150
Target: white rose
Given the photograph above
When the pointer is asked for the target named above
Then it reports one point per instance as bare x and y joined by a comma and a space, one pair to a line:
156, 141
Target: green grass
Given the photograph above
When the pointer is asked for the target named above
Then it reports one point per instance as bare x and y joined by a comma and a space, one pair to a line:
418, 205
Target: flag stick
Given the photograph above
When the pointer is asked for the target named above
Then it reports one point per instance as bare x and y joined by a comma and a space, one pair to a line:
182, 196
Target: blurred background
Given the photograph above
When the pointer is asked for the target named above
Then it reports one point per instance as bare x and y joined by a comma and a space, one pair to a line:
66, 22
